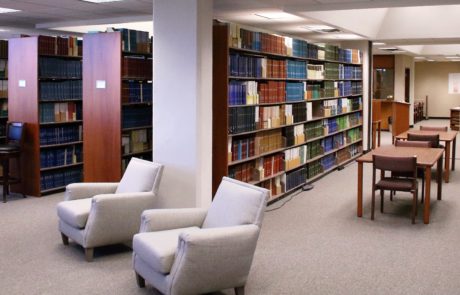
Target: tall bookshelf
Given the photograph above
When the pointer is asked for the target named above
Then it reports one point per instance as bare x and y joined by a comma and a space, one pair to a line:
285, 112
3, 89
117, 91
45, 92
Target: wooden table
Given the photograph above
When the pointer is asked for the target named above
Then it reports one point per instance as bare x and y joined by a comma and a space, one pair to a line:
376, 133
447, 137
426, 158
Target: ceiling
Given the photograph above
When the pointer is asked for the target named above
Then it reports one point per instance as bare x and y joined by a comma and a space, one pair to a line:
427, 29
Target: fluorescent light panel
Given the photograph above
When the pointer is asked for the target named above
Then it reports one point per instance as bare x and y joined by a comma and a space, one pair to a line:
449, 57
101, 1
7, 10
273, 15
316, 28
378, 43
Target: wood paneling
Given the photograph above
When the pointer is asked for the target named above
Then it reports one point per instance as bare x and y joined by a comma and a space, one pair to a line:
384, 61
102, 107
219, 105
400, 117
23, 107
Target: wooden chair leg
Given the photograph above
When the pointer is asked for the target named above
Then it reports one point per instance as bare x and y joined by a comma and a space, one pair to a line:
423, 189
65, 239
381, 200
239, 290
140, 281
391, 195
89, 254
414, 205
372, 204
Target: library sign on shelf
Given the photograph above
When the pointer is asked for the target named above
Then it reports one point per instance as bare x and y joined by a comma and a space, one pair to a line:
454, 83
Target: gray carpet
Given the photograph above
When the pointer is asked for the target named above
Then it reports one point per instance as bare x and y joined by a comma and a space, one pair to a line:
314, 244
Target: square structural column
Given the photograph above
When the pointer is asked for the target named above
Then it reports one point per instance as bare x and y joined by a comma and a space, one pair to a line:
182, 97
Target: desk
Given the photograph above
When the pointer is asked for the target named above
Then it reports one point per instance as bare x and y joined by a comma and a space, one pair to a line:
447, 137
426, 158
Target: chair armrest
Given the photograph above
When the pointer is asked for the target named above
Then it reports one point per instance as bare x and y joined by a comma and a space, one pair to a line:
222, 256
165, 219
114, 218
75, 191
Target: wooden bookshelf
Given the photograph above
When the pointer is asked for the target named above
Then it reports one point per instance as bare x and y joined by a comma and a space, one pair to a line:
455, 118
329, 119
3, 89
108, 107
53, 124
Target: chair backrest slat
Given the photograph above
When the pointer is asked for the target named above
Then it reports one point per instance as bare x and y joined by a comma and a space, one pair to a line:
409, 143
433, 138
434, 128
395, 164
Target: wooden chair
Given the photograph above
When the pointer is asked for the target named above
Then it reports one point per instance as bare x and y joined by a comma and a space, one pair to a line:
402, 165
420, 172
432, 138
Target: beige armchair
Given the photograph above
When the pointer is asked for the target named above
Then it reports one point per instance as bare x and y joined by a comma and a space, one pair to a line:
99, 214
195, 251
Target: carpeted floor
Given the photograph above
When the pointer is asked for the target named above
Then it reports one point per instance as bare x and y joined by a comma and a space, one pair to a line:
314, 244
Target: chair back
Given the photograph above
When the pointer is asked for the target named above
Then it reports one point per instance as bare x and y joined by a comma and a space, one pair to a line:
140, 176
236, 203
409, 143
433, 138
434, 128
395, 164
15, 133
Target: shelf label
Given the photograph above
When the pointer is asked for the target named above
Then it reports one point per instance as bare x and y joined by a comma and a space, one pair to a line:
100, 84
22, 83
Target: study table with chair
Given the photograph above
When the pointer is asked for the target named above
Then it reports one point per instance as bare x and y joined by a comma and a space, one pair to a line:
426, 159
448, 137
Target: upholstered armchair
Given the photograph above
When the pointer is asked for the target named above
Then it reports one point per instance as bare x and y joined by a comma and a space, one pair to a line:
99, 214
195, 251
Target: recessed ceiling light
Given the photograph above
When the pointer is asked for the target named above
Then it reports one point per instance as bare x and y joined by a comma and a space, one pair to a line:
419, 57
101, 1
430, 59
320, 28
7, 10
449, 57
273, 15
378, 43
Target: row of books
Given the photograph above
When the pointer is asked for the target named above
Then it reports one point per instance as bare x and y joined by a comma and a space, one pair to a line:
3, 88
241, 148
295, 91
69, 46
136, 91
242, 93
135, 41
298, 112
3, 68
327, 162
264, 42
136, 68
61, 156
295, 178
61, 90
58, 135
300, 133
243, 172
52, 67
272, 91
268, 141
60, 112
246, 66
136, 141
295, 157
3, 108
268, 166
136, 117
314, 168
336, 71
57, 179
354, 134
242, 119
274, 185
3, 49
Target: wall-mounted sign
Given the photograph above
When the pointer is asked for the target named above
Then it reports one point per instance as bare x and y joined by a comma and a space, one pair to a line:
454, 83
100, 84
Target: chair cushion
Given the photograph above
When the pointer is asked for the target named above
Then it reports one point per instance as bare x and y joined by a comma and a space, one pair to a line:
158, 248
75, 212
395, 184
236, 203
139, 176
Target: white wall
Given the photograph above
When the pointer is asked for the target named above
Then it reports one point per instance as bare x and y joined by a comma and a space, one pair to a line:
401, 63
182, 93
432, 78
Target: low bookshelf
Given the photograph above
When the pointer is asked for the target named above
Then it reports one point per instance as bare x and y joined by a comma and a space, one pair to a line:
285, 111
117, 102
45, 86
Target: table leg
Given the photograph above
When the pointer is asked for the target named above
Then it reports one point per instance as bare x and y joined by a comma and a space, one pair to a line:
379, 133
374, 129
360, 189
439, 177
454, 144
447, 162
426, 208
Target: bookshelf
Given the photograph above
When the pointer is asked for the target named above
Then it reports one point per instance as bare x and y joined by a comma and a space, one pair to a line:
285, 111
45, 92
3, 89
117, 91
